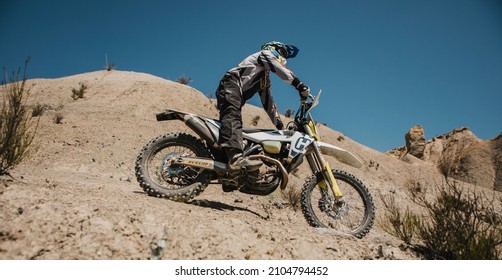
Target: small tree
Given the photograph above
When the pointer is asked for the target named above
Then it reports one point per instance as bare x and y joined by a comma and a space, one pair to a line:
17, 129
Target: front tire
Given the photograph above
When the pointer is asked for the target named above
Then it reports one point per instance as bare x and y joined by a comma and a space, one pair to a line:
158, 178
353, 215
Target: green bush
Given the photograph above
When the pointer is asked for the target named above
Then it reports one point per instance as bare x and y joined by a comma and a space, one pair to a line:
456, 224
17, 129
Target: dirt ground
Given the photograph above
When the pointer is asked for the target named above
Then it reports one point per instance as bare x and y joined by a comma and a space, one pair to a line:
77, 197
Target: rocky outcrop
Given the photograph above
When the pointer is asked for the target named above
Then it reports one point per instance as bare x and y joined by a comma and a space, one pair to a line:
415, 141
496, 146
458, 154
464, 157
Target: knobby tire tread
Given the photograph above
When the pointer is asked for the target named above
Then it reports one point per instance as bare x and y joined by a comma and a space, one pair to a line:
183, 194
306, 203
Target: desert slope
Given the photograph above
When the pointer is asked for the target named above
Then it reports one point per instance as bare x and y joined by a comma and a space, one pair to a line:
77, 198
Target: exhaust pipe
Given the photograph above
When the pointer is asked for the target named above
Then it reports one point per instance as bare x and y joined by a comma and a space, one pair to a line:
284, 173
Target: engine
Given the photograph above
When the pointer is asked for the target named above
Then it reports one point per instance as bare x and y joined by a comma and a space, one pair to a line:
260, 182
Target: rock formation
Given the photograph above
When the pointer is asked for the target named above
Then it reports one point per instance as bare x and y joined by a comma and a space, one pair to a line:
458, 154
415, 141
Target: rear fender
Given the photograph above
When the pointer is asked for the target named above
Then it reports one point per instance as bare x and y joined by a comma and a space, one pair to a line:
195, 122
169, 115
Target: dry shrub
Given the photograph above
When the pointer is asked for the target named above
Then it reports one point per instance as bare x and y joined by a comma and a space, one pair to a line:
456, 224
38, 110
289, 113
255, 120
79, 93
17, 129
292, 194
109, 66
184, 80
58, 118
402, 224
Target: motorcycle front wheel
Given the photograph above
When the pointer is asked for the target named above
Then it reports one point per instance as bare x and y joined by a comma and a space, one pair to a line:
352, 214
159, 178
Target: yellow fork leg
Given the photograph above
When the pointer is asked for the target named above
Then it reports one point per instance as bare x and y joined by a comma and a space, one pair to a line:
331, 179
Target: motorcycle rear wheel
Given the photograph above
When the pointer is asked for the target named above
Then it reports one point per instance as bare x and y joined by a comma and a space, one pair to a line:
353, 215
158, 178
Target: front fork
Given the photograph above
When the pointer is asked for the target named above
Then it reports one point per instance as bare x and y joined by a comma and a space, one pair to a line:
319, 164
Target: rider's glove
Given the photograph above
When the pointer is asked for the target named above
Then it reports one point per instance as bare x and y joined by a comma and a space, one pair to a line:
303, 90
279, 125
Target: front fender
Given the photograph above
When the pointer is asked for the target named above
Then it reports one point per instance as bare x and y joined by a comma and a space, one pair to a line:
340, 154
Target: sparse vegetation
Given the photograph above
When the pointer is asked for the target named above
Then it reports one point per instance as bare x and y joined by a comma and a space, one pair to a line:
79, 93
289, 113
92, 140
58, 118
292, 195
17, 130
454, 225
255, 120
108, 66
38, 110
374, 164
397, 223
184, 80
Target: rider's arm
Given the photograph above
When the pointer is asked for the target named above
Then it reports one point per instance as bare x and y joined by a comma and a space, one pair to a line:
275, 64
269, 105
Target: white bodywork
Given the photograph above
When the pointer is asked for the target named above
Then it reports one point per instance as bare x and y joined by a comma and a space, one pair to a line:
300, 141
340, 154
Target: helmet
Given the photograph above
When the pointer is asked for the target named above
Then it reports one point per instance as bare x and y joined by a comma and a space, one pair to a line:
286, 51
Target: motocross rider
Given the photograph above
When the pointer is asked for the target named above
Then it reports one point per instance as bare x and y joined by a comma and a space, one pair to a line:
240, 83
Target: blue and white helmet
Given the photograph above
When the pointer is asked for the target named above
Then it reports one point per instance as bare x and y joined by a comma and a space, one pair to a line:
286, 51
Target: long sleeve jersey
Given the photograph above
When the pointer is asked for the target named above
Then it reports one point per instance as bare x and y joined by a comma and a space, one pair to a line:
253, 74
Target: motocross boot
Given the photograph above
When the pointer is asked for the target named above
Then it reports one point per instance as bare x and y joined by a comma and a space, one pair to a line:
237, 161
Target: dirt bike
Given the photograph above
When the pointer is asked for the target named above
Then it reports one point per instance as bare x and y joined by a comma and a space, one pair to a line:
179, 166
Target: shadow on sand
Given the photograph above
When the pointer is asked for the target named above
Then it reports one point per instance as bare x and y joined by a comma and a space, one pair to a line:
223, 207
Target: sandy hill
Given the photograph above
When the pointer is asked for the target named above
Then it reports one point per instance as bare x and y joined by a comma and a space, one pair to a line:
77, 198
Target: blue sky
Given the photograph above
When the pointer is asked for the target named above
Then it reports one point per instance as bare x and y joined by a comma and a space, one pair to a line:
383, 65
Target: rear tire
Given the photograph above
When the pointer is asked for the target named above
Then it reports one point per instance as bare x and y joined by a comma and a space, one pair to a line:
354, 215
158, 178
